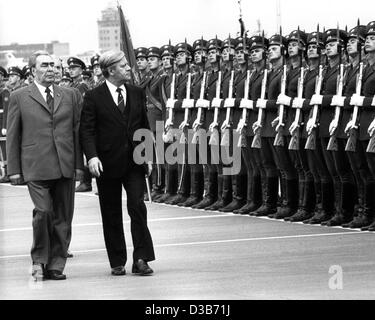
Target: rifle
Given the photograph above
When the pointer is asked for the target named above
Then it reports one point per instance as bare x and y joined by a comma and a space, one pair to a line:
168, 135
187, 103
2, 162
246, 103
351, 144
216, 102
228, 103
200, 104
294, 141
279, 139
332, 143
257, 141
311, 135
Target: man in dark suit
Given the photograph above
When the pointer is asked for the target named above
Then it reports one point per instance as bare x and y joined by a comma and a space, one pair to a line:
43, 149
111, 114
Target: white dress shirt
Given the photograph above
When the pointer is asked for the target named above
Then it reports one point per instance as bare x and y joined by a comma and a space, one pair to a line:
112, 89
42, 90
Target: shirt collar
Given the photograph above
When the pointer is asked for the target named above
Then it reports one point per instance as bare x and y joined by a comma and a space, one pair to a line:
42, 89
113, 88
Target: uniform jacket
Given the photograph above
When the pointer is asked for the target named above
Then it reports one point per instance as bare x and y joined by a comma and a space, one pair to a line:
254, 94
42, 145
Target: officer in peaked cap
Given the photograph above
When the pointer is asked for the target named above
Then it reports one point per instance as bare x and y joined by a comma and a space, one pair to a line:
27, 75
95, 60
76, 67
76, 62
15, 71
144, 73
155, 114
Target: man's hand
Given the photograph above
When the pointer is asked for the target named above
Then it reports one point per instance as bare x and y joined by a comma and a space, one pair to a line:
149, 168
333, 126
256, 126
16, 179
95, 167
310, 126
79, 174
316, 99
224, 125
293, 127
213, 125
4, 132
275, 122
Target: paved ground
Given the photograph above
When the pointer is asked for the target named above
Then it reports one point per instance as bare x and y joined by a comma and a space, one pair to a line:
200, 255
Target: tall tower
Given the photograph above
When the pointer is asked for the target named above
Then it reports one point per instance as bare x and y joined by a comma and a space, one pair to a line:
109, 29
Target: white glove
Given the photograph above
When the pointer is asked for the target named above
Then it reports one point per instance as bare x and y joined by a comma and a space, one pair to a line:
298, 103
256, 126
183, 125
283, 99
357, 100
333, 126
196, 124
310, 126
338, 101
224, 125
4, 132
213, 125
371, 128
316, 99
240, 125
293, 127
373, 102
95, 166
349, 126
261, 103
168, 123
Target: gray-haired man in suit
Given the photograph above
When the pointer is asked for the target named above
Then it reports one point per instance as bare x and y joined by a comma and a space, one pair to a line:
43, 149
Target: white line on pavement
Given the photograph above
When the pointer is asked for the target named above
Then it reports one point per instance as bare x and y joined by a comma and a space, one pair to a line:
299, 236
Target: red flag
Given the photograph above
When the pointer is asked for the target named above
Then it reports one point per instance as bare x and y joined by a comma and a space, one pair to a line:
126, 43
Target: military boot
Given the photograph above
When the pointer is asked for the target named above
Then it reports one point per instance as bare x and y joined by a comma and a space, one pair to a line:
269, 206
238, 187
254, 195
291, 205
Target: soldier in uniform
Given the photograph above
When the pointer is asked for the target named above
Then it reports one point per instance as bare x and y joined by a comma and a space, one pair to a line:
315, 158
27, 75
143, 71
3, 76
270, 161
155, 113
365, 160
58, 70
251, 156
195, 170
303, 198
15, 76
66, 80
238, 181
183, 52
76, 67
87, 77
98, 77
333, 39
167, 57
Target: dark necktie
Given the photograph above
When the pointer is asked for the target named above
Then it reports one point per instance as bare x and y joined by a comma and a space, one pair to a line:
49, 99
120, 101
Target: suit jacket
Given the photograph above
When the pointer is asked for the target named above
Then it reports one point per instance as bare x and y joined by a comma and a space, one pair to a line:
107, 134
42, 145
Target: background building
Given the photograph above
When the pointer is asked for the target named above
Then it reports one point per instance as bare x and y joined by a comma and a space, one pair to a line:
109, 29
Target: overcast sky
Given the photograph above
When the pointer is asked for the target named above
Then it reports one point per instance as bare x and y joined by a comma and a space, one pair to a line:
154, 22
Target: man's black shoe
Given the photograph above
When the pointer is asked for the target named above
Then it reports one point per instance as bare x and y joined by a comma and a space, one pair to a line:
83, 187
69, 254
55, 275
141, 267
38, 271
118, 271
